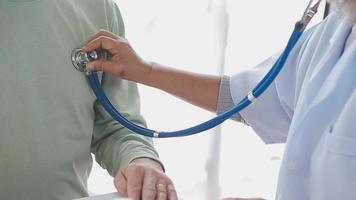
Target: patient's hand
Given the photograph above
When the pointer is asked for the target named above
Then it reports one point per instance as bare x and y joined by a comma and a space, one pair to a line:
144, 179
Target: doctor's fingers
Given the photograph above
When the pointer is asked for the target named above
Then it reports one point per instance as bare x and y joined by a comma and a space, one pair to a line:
105, 66
107, 43
103, 32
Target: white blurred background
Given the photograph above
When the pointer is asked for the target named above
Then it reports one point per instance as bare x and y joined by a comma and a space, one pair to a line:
211, 37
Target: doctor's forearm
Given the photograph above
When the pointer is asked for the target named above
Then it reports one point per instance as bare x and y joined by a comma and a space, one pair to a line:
198, 89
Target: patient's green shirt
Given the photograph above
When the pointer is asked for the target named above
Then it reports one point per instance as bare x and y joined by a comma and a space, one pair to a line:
50, 121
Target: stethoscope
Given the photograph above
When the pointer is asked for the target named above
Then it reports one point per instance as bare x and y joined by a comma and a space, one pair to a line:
80, 59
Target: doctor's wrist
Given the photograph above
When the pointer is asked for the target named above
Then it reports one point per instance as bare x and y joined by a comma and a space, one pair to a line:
138, 72
148, 77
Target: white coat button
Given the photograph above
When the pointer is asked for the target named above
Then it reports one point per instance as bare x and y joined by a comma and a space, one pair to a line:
331, 128
291, 166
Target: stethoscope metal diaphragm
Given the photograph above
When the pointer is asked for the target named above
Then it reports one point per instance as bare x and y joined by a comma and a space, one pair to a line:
80, 58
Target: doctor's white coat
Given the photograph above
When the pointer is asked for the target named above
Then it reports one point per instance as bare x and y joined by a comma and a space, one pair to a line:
312, 107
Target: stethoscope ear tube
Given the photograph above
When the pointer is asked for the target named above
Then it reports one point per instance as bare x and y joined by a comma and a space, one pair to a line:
105, 102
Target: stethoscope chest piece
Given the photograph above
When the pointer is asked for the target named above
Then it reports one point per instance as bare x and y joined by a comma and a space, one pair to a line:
80, 58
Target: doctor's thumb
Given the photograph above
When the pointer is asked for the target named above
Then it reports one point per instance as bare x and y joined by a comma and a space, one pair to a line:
105, 66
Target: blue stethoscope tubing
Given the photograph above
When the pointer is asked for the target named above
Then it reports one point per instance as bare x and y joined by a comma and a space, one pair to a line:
245, 102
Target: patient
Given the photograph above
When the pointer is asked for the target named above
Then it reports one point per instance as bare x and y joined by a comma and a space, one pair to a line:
50, 121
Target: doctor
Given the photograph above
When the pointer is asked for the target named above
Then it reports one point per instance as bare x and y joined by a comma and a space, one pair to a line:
311, 106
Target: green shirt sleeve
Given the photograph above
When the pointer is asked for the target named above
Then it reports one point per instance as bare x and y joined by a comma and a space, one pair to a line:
115, 146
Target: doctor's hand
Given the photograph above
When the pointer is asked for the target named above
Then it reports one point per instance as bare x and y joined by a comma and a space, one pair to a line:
144, 179
125, 63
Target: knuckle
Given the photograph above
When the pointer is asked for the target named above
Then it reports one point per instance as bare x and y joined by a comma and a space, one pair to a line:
136, 168
124, 40
171, 188
163, 177
120, 38
102, 37
126, 43
123, 44
169, 181
151, 172
102, 31
149, 188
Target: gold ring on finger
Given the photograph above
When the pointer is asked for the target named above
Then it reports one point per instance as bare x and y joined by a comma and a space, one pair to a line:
161, 187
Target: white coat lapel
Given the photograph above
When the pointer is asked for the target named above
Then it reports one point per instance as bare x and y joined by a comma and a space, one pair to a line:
341, 80
326, 63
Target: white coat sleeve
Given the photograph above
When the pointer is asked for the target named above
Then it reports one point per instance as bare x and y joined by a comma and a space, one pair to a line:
271, 114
